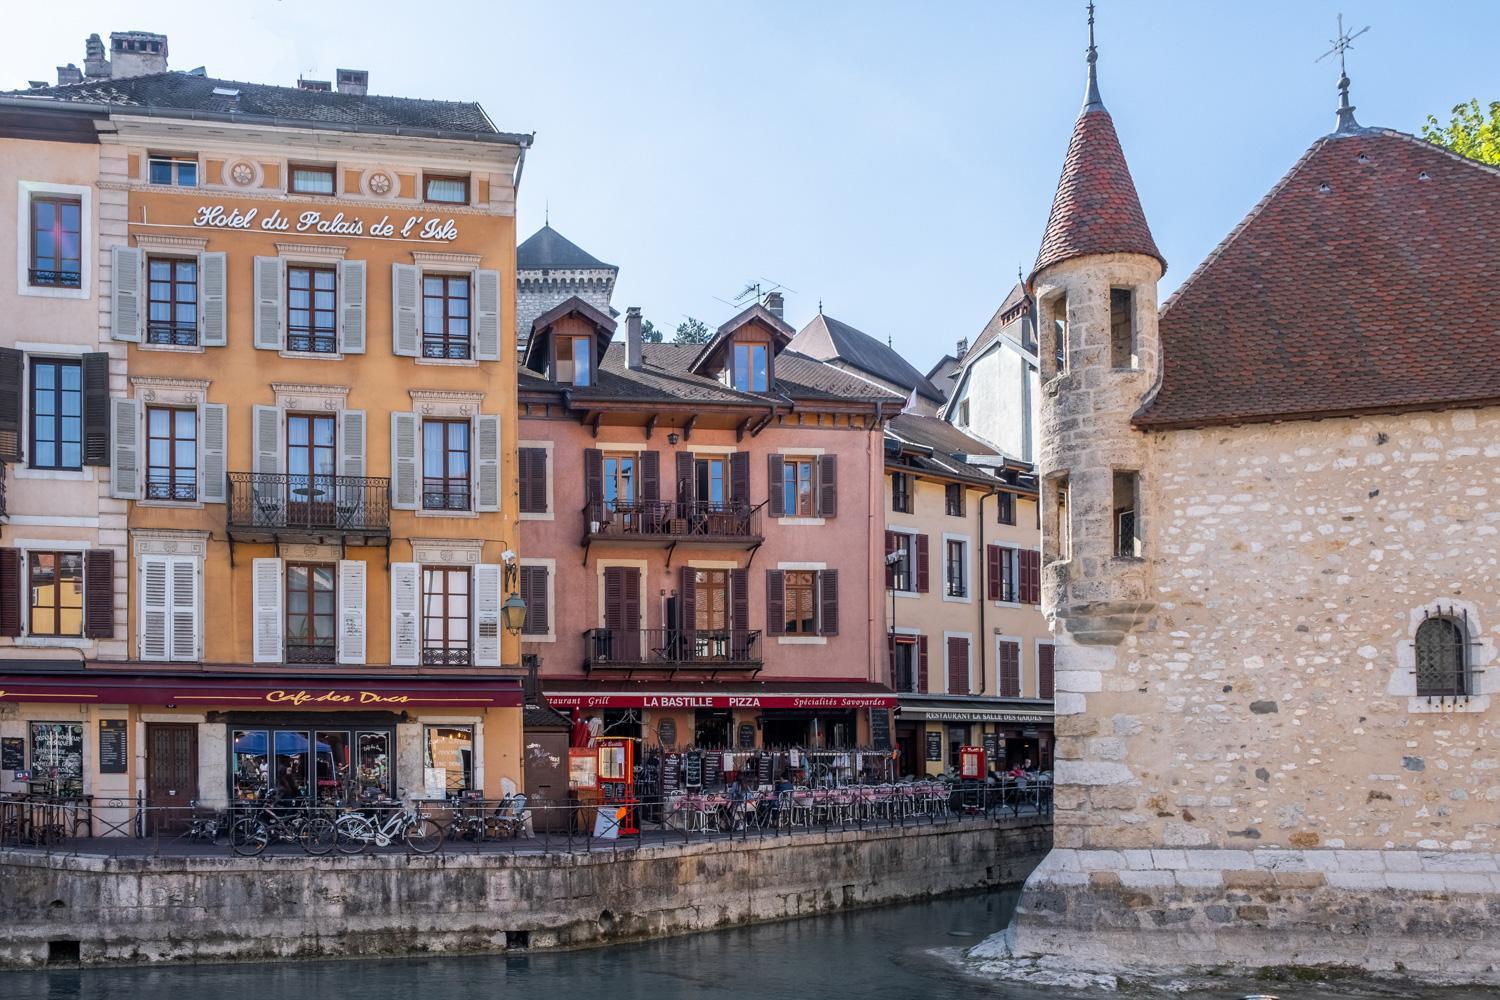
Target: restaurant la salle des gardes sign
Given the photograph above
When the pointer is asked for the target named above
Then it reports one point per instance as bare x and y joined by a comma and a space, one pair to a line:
415, 227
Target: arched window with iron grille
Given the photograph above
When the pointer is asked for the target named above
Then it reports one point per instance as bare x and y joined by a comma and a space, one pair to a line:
1442, 658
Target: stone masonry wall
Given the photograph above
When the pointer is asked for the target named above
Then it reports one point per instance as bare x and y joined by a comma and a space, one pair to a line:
1269, 699
224, 907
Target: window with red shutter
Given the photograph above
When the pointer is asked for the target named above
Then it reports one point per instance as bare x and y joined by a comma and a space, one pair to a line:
1044, 670
828, 601
922, 581
921, 664
775, 602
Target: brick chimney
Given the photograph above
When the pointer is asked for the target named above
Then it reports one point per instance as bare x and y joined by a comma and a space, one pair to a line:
774, 304
633, 338
136, 53
69, 74
353, 81
963, 346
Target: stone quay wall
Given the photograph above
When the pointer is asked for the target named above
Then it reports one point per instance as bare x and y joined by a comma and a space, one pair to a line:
229, 908
1156, 912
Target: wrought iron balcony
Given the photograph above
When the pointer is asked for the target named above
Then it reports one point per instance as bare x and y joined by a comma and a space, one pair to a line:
311, 651
172, 334
669, 522
673, 650
270, 506
41, 278
447, 656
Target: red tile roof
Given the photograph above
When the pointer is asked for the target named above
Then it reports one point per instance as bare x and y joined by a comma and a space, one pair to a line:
1363, 283
1095, 210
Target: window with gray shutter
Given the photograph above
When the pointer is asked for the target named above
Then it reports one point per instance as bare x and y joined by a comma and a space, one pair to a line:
352, 307
406, 333
269, 292
125, 293
404, 482
487, 315
125, 449
215, 486
487, 463
213, 317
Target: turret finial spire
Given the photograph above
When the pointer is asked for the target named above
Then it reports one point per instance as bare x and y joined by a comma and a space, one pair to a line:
1091, 99
1343, 43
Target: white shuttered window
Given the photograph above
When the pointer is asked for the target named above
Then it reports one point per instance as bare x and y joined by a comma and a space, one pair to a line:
170, 608
406, 622
351, 633
266, 600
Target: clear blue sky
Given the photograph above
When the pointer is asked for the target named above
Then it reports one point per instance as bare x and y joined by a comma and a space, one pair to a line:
895, 160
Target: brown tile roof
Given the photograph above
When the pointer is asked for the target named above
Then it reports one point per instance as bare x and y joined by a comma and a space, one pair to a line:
1096, 209
1362, 283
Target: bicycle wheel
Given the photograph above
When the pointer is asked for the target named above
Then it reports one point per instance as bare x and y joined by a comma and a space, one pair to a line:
249, 837
351, 833
422, 835
318, 835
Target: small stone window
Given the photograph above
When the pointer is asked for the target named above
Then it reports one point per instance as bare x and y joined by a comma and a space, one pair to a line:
1122, 339
1057, 543
1443, 662
1057, 324
1127, 522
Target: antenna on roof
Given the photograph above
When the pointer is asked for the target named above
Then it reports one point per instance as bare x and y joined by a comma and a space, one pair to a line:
547, 212
1343, 43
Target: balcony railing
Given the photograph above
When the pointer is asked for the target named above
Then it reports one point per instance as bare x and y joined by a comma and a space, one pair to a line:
672, 521
311, 652
273, 502
41, 278
447, 656
672, 649
172, 334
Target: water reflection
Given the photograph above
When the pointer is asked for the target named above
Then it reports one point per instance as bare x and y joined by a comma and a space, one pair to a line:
891, 954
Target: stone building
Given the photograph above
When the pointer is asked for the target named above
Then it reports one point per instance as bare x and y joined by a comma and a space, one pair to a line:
550, 270
1269, 557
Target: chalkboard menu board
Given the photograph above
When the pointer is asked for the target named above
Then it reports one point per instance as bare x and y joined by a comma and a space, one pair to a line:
671, 773
763, 769
57, 755
747, 735
12, 754
666, 731
992, 748
713, 770
880, 729
692, 770
934, 745
113, 754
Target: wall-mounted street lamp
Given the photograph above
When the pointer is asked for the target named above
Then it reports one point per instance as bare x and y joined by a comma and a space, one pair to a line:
672, 438
513, 611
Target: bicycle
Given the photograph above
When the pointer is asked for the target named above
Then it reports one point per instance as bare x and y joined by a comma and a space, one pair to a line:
354, 831
272, 823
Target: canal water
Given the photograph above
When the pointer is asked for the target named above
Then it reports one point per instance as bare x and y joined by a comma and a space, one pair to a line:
897, 953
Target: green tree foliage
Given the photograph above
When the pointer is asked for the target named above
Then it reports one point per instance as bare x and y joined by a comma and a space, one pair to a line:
692, 331
649, 333
1472, 132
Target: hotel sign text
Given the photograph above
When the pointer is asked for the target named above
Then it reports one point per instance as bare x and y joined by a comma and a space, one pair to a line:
415, 227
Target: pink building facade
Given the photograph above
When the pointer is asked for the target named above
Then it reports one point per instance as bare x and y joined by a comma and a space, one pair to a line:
701, 535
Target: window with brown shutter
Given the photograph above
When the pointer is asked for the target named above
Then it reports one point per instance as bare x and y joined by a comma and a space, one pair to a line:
99, 594
739, 596
96, 408
1044, 670
593, 481
11, 364
922, 583
534, 593
776, 488
775, 602
10, 593
739, 479
650, 476
1005, 508
1010, 668
1000, 563
1031, 576
532, 470
921, 664
958, 665
828, 486
828, 602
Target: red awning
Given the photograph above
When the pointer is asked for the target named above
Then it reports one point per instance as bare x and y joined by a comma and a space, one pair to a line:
666, 694
245, 693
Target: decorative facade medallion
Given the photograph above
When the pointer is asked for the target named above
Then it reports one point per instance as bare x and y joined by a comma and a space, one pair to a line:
242, 173
379, 183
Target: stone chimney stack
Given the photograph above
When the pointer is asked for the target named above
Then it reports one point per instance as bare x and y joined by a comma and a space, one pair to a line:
774, 304
353, 81
962, 347
633, 338
136, 53
69, 74
95, 60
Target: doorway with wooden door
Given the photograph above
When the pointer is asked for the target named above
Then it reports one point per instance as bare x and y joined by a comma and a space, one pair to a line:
171, 775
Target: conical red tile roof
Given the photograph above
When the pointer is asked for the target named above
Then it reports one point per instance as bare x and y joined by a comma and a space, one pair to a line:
1095, 210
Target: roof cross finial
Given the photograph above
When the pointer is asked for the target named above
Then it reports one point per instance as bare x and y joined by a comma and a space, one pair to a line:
547, 212
1343, 43
1091, 99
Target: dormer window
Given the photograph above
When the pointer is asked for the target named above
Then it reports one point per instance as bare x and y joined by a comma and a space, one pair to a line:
575, 360
749, 371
